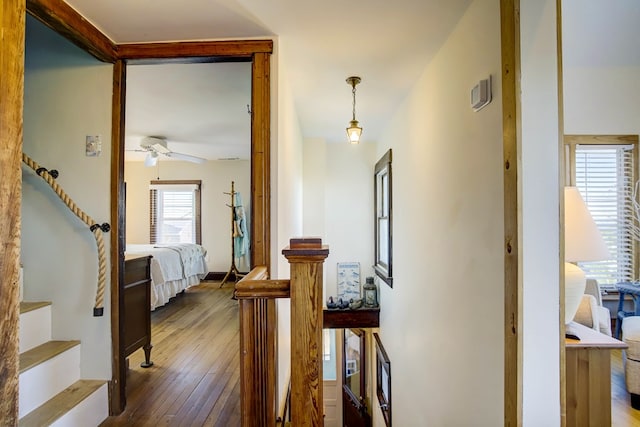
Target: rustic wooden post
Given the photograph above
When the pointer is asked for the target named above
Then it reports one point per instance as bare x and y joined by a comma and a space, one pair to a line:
306, 257
12, 16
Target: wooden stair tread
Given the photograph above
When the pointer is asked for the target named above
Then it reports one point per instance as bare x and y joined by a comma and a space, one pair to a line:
27, 306
44, 352
60, 404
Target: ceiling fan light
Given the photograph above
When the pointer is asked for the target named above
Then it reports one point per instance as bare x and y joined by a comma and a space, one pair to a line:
151, 159
354, 132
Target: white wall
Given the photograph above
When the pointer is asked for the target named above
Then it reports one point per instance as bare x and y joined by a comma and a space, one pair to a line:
338, 203
539, 198
216, 176
67, 96
601, 92
286, 198
442, 322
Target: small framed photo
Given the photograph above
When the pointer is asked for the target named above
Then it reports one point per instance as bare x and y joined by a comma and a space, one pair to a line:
348, 280
383, 380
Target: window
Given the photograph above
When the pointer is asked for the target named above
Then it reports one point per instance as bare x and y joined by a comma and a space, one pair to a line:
603, 169
174, 212
383, 265
329, 355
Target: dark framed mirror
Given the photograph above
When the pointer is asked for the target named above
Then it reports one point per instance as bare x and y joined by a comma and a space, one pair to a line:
383, 265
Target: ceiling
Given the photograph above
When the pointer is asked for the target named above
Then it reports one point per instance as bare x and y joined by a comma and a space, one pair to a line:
201, 109
319, 44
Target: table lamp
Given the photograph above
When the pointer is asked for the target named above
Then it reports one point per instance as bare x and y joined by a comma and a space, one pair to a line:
582, 242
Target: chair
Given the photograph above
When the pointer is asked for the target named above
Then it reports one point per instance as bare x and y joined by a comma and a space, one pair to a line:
591, 312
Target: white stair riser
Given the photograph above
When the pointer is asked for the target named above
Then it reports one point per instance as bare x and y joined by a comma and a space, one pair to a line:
90, 412
35, 328
42, 382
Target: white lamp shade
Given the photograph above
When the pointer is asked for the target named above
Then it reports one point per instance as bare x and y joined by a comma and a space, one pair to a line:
582, 238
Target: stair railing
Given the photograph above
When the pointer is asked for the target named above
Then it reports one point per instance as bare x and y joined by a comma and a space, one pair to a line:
258, 351
96, 229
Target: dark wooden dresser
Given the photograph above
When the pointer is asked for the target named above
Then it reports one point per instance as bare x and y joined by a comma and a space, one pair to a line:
135, 323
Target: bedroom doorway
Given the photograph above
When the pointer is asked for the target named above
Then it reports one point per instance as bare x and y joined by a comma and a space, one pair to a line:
255, 55
187, 123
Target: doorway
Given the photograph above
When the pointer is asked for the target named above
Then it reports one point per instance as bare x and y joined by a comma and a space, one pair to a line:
258, 53
354, 390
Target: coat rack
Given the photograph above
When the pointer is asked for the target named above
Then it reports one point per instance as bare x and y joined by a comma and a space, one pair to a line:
233, 269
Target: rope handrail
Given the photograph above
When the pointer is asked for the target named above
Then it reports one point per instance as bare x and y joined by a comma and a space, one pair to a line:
96, 229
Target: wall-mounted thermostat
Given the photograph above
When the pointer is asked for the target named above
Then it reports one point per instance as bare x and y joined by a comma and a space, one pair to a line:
481, 94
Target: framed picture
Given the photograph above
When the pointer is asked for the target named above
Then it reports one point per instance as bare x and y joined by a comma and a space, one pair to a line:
383, 380
348, 280
383, 219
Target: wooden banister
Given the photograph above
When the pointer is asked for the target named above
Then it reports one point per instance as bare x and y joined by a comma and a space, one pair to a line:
256, 285
258, 322
256, 294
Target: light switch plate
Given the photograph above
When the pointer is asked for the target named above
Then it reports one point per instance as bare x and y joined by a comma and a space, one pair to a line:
93, 145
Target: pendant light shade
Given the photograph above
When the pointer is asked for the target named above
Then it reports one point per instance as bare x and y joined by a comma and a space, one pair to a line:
354, 131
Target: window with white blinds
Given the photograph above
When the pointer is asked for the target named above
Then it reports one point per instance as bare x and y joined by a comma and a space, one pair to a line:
174, 212
604, 174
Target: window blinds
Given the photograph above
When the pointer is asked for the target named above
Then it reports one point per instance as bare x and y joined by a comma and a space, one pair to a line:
605, 178
174, 213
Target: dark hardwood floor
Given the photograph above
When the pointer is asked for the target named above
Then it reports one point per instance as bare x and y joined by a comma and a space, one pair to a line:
195, 379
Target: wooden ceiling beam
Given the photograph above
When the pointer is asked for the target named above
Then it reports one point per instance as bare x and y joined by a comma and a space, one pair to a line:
199, 49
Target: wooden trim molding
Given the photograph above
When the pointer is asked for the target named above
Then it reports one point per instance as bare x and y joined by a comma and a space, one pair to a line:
511, 128
117, 397
235, 49
600, 139
12, 21
61, 18
261, 160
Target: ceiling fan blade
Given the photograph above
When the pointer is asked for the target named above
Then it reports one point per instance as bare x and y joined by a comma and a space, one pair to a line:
186, 157
151, 159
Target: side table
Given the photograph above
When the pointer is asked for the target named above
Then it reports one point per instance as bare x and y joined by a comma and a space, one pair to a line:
588, 377
633, 290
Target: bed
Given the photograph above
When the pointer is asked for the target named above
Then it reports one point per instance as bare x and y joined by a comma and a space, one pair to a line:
174, 268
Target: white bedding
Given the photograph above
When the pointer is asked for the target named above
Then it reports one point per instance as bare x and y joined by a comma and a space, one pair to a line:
173, 268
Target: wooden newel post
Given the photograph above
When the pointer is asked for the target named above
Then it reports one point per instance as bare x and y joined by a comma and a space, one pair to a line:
306, 257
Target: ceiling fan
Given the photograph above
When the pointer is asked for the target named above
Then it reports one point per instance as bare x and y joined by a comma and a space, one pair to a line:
154, 146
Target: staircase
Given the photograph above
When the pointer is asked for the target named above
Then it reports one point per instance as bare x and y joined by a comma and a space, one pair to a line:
51, 391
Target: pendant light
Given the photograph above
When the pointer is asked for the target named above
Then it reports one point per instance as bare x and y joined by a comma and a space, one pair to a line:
354, 131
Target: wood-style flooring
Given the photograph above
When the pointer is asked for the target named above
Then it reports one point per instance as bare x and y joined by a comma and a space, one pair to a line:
195, 379
622, 414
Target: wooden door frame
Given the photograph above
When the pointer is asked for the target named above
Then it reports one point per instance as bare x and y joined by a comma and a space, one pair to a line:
511, 134
61, 18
